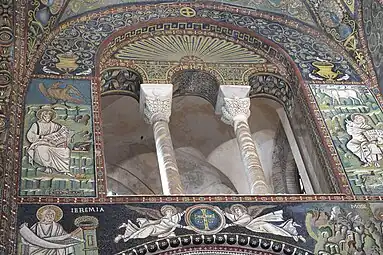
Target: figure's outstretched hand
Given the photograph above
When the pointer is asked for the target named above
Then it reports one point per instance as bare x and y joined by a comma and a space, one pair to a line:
186, 227
24, 225
75, 232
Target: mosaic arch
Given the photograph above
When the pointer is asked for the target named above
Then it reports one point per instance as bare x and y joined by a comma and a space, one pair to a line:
305, 49
341, 24
340, 58
233, 57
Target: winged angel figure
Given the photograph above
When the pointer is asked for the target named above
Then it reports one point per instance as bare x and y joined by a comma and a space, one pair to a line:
248, 217
162, 223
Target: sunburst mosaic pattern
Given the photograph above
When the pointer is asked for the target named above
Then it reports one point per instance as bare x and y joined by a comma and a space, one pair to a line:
175, 47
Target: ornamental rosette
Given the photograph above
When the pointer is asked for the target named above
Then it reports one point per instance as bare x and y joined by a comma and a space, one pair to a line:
235, 109
157, 109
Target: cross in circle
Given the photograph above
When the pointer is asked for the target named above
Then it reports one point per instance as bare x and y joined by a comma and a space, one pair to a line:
206, 218
187, 12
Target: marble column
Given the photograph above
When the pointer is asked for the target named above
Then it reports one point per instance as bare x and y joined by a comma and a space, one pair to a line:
155, 106
233, 104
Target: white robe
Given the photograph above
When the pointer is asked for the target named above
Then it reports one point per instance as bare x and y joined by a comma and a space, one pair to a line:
53, 231
262, 224
46, 152
161, 228
359, 145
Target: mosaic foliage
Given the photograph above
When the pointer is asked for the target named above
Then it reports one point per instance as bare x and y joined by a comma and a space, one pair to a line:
339, 22
287, 228
292, 8
373, 27
355, 122
58, 140
272, 86
6, 80
196, 83
120, 81
73, 49
42, 16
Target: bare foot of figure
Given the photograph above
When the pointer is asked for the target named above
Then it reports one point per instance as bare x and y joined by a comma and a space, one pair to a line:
48, 170
69, 174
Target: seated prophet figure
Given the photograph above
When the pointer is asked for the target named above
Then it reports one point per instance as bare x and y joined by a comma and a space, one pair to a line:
362, 143
47, 237
49, 143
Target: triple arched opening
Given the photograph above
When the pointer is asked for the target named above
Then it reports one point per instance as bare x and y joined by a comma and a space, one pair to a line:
205, 147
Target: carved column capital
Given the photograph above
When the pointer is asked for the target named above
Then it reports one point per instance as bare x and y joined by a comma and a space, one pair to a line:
156, 102
157, 109
235, 109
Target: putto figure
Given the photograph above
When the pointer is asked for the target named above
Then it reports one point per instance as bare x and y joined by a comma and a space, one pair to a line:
49, 143
248, 218
163, 225
364, 140
47, 236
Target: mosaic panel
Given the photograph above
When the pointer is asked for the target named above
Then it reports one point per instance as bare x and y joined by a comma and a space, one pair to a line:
355, 122
277, 228
58, 147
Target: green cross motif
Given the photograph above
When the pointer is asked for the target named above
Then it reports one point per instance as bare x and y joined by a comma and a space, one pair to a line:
206, 218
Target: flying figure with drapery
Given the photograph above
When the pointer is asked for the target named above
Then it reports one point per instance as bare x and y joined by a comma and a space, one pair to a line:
271, 223
158, 223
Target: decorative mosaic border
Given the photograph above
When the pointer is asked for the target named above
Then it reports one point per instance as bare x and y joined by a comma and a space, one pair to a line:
9, 201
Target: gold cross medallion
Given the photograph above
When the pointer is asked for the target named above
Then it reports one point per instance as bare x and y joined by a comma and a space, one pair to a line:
187, 12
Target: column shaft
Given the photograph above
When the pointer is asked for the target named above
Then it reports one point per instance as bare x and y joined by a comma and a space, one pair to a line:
250, 158
170, 177
156, 107
233, 103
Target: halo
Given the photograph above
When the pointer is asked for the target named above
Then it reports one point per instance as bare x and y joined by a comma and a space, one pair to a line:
167, 207
355, 114
56, 209
238, 205
46, 109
